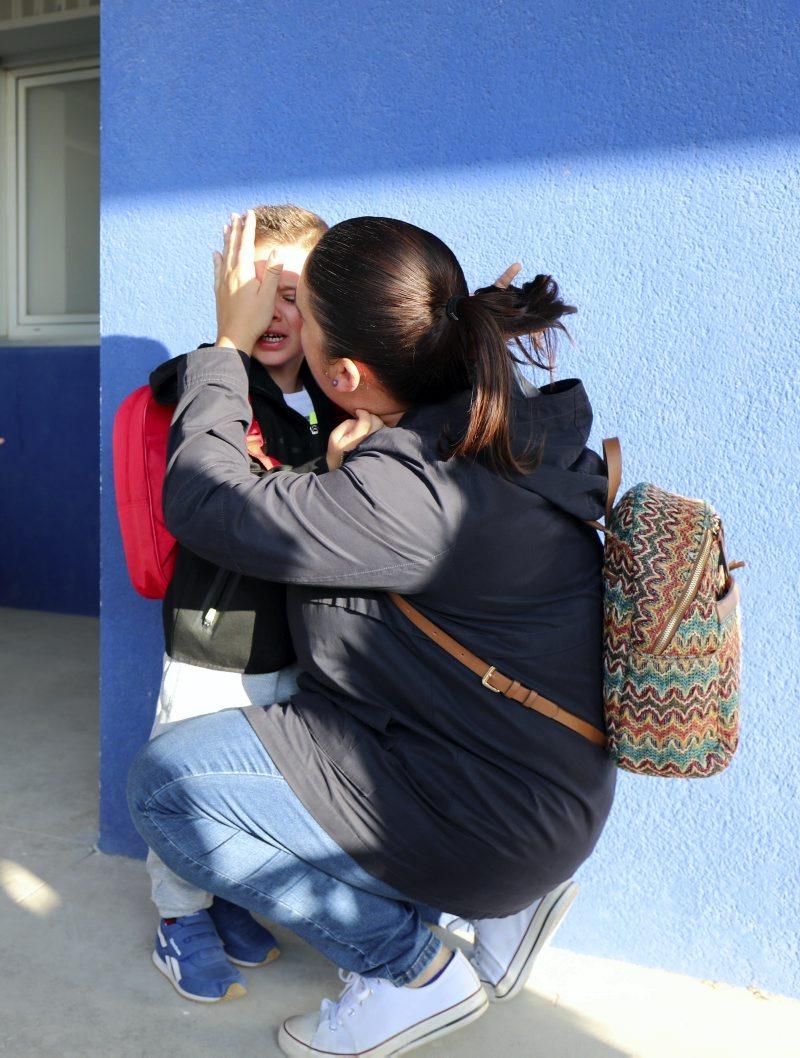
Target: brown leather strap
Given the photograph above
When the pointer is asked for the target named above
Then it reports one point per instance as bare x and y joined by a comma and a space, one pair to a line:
494, 680
612, 453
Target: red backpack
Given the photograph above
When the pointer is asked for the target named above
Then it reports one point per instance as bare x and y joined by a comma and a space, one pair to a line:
141, 433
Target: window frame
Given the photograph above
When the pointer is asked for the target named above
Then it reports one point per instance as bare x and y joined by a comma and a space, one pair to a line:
18, 325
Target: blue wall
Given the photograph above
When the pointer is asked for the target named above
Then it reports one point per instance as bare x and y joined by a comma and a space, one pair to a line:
49, 479
131, 640
649, 160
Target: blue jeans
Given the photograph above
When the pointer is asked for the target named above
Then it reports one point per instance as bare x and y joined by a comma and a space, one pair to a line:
191, 690
207, 798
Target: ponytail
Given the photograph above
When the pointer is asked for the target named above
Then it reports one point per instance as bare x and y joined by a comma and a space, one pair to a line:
395, 296
491, 317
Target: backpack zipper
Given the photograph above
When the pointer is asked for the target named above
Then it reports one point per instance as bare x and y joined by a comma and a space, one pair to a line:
689, 592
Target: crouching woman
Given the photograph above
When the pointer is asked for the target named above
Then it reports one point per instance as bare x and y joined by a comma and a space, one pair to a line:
396, 780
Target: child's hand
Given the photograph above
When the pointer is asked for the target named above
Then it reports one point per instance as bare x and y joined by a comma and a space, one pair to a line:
349, 434
508, 277
245, 305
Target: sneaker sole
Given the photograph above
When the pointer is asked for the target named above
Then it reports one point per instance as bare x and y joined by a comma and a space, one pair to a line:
541, 930
235, 990
432, 1028
271, 957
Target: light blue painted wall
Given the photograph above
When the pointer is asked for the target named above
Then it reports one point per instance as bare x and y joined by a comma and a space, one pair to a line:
649, 160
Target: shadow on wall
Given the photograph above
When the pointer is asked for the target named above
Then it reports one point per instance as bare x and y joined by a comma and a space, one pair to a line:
532, 82
132, 642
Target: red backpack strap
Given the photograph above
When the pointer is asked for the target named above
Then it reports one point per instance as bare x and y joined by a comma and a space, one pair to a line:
256, 447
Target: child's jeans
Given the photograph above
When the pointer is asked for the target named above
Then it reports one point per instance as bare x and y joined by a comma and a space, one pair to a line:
208, 797
188, 691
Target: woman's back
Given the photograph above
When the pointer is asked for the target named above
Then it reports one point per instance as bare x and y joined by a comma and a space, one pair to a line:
420, 759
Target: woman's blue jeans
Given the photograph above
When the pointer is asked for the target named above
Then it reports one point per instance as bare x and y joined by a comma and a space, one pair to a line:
207, 798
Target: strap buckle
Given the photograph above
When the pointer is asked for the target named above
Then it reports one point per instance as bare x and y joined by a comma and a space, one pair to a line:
487, 676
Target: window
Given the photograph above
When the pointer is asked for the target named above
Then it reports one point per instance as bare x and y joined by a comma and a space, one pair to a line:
52, 162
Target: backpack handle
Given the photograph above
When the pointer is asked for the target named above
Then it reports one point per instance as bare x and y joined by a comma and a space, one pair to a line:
612, 453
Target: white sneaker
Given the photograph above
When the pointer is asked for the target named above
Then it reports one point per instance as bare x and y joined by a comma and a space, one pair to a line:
455, 924
374, 1019
505, 948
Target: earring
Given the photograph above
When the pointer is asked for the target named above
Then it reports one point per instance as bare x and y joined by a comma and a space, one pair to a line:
334, 381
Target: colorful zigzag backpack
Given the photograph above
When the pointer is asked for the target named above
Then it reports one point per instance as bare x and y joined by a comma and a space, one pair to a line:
672, 635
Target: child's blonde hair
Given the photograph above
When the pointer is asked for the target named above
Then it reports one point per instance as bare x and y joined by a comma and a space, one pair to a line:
288, 224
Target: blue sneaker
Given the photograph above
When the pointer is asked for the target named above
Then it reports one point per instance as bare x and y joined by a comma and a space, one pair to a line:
246, 942
190, 955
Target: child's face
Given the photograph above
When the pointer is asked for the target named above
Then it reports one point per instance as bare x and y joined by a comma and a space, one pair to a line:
280, 344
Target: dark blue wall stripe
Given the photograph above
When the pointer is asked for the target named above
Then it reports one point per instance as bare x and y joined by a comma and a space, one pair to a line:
49, 479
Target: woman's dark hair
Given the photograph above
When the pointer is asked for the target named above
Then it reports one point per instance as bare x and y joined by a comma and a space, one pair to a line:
379, 290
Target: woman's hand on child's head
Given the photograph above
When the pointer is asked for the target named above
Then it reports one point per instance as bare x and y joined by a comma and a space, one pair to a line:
245, 304
349, 434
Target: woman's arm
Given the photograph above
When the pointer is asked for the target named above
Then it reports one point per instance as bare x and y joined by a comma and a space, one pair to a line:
378, 522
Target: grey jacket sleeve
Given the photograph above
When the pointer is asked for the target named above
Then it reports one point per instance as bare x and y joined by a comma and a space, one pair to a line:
378, 522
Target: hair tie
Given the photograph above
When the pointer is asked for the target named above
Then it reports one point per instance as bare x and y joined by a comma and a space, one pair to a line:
452, 305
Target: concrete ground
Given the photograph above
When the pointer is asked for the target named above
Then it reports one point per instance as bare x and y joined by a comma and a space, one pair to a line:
75, 926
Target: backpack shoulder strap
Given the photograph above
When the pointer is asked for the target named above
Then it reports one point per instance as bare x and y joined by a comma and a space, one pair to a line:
612, 453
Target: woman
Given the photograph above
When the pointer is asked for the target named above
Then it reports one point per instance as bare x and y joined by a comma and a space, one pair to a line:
395, 778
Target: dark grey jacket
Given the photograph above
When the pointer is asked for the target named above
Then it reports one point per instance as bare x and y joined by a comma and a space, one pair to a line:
455, 795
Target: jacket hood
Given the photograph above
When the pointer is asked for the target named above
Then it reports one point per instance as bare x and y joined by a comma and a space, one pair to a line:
569, 475
558, 420
164, 380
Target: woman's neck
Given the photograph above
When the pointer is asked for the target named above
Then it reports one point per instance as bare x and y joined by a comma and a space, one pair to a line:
378, 401
393, 418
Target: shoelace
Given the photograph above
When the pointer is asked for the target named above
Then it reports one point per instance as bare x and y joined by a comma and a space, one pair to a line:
475, 957
356, 990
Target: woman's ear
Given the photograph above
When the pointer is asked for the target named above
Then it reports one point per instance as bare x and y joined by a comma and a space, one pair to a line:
348, 375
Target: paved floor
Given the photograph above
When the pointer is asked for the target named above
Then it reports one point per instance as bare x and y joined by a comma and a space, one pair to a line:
75, 925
